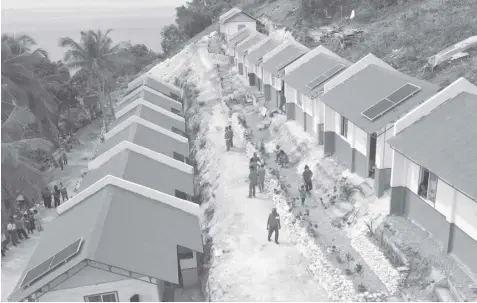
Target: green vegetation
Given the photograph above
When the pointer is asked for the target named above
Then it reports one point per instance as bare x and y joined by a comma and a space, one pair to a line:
43, 105
403, 33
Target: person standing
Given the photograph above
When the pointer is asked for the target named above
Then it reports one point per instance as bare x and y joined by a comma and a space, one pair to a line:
307, 174
60, 161
20, 224
273, 225
12, 231
228, 138
261, 178
39, 226
46, 195
4, 244
56, 196
27, 222
252, 177
64, 158
302, 192
64, 192
231, 136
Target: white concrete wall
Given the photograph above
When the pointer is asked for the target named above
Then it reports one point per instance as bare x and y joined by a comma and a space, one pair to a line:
330, 115
353, 69
466, 214
290, 94
125, 288
232, 27
383, 149
267, 77
189, 263
457, 87
307, 105
278, 83
399, 170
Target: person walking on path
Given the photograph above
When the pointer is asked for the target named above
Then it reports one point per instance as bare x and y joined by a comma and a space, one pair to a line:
302, 192
56, 196
64, 192
231, 136
4, 244
273, 225
46, 195
64, 158
228, 137
261, 178
307, 174
20, 224
12, 231
253, 180
60, 161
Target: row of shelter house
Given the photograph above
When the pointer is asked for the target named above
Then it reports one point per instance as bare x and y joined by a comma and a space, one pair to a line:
405, 136
132, 232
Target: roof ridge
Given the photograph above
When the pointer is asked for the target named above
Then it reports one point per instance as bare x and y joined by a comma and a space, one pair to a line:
142, 190
130, 146
138, 120
142, 101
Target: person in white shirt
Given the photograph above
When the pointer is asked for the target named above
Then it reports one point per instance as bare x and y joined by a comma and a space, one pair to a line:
12, 231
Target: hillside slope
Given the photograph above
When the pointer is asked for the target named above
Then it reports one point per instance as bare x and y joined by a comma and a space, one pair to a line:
404, 35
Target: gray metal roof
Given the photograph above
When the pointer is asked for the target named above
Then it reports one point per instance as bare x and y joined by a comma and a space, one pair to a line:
145, 137
273, 63
369, 86
239, 37
445, 142
241, 49
142, 170
307, 72
259, 52
135, 228
150, 115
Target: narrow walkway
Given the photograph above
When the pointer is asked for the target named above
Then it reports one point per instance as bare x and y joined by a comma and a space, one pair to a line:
251, 268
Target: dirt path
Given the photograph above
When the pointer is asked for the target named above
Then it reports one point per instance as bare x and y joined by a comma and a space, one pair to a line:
16, 258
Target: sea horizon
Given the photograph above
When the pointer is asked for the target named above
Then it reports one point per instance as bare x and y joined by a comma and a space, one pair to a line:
137, 25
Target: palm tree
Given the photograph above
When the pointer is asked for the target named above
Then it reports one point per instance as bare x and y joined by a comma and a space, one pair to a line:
96, 56
20, 85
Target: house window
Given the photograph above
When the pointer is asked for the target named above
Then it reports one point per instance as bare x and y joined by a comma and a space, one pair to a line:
427, 185
176, 111
298, 98
343, 126
182, 195
175, 97
179, 157
105, 297
240, 26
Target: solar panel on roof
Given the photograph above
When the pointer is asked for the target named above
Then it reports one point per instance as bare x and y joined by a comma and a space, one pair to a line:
59, 258
325, 76
403, 93
377, 109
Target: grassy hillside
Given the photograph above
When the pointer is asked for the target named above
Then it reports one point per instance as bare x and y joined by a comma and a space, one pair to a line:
404, 34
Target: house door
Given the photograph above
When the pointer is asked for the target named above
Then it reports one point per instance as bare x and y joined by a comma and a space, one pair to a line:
372, 155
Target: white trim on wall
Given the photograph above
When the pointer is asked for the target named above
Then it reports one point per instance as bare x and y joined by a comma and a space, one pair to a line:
144, 191
138, 120
152, 106
126, 145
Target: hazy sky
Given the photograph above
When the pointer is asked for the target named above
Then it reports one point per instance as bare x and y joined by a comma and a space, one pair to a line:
52, 4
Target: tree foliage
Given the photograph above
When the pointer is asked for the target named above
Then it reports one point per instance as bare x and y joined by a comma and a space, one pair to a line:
172, 39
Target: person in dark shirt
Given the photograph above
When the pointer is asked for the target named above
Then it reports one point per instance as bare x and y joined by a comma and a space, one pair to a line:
253, 180
307, 174
273, 224
56, 196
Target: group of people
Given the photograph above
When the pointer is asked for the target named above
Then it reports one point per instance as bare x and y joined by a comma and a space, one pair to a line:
57, 193
19, 227
63, 160
256, 175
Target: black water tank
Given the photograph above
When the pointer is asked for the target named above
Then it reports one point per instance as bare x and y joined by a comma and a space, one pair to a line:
134, 298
